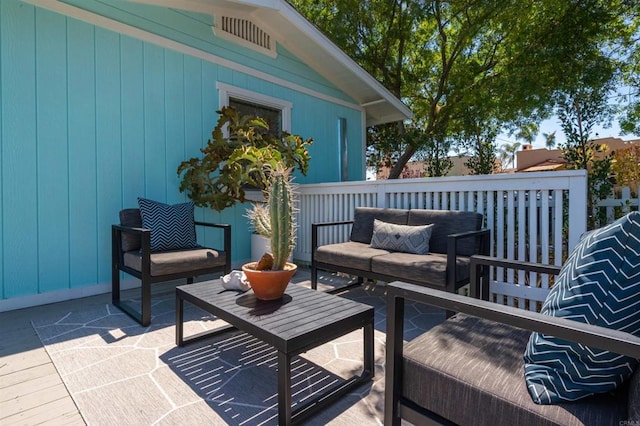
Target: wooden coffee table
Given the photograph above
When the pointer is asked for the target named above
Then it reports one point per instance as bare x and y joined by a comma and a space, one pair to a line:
301, 320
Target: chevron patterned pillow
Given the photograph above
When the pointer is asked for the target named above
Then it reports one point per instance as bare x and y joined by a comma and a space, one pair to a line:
404, 238
599, 284
172, 226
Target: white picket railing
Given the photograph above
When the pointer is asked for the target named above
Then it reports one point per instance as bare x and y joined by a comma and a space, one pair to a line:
542, 234
615, 207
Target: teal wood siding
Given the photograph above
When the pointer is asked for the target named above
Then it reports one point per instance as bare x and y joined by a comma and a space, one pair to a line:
81, 105
51, 155
195, 30
19, 150
90, 119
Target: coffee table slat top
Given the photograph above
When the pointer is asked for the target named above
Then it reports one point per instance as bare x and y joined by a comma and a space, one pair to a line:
289, 327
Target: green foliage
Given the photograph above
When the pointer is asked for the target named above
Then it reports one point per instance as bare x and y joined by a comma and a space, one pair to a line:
477, 140
276, 219
626, 166
629, 58
435, 155
508, 154
240, 153
484, 160
579, 111
550, 140
499, 61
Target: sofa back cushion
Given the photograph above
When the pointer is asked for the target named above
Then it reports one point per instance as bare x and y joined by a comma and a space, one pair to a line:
599, 284
363, 217
448, 222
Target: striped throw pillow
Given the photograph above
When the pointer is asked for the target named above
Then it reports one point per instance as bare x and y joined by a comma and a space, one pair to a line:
172, 226
600, 285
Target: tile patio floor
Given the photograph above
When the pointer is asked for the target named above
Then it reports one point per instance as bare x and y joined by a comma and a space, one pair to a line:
31, 389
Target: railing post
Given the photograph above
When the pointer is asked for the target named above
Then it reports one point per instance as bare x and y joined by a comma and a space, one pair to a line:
577, 208
381, 195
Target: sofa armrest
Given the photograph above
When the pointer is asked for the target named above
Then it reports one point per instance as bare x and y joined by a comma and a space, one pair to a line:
316, 226
482, 237
479, 273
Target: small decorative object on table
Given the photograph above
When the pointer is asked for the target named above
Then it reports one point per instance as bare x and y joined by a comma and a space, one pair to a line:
275, 220
235, 280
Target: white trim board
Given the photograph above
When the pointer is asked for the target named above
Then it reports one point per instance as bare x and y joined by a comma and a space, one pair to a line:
29, 301
129, 30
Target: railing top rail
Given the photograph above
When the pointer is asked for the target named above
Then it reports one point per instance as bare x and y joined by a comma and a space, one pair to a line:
512, 181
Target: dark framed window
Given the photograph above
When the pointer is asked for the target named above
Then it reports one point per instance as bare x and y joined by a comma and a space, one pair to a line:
273, 116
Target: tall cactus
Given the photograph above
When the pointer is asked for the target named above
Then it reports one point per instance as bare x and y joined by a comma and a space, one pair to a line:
276, 221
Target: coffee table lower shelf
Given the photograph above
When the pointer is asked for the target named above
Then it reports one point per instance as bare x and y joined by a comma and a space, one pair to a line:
303, 319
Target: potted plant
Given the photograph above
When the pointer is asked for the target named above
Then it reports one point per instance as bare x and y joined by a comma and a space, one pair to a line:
239, 155
275, 220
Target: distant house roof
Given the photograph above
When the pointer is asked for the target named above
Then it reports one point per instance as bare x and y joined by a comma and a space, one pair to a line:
542, 159
544, 166
294, 32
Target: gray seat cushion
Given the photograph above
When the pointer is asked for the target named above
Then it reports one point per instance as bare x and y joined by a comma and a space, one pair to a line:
448, 222
350, 255
179, 261
470, 371
424, 268
363, 217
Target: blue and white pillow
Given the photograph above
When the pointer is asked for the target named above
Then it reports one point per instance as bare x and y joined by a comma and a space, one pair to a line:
600, 285
172, 226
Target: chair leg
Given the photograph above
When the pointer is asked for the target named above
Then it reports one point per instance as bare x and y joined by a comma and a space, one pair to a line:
450, 288
314, 277
145, 319
115, 283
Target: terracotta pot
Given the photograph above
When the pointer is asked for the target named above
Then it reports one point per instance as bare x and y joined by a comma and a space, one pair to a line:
269, 285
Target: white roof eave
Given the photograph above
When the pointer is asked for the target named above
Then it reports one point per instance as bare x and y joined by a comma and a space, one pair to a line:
339, 68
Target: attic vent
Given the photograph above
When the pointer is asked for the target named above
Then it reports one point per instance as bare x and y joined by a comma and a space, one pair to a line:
246, 30
247, 33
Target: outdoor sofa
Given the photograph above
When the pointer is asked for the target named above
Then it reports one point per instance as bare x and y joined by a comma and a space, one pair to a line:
453, 237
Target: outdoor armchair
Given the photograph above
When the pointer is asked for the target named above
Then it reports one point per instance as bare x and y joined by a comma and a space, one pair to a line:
469, 369
132, 253
575, 362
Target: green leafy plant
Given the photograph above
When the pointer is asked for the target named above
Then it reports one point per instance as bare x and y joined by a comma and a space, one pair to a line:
240, 154
276, 218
